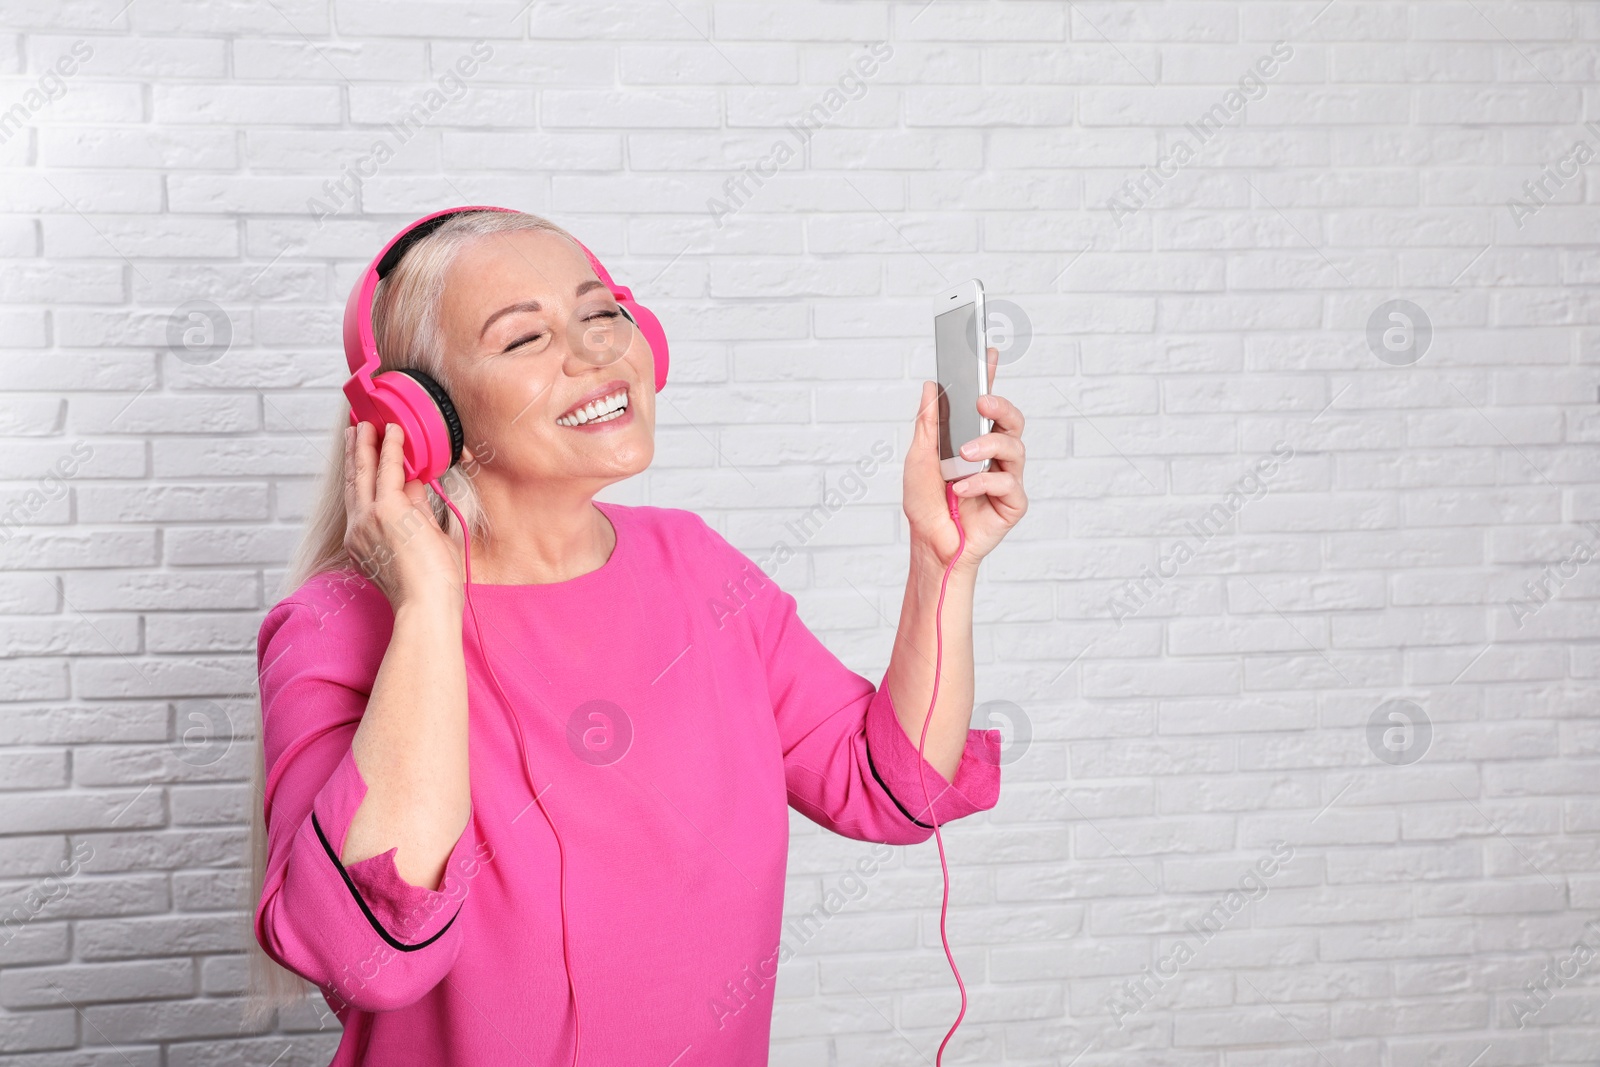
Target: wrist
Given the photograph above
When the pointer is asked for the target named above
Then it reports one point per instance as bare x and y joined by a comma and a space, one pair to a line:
431, 610
927, 559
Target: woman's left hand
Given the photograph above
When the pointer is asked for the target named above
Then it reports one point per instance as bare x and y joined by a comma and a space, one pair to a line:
990, 502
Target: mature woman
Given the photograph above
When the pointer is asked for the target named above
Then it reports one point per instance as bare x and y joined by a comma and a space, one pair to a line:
411, 869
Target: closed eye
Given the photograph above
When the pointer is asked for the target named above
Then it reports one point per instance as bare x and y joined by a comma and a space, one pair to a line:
519, 344
536, 336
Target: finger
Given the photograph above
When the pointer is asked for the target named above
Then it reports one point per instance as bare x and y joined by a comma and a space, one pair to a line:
927, 412
992, 357
391, 461
366, 464
1003, 488
350, 495
417, 495
1007, 450
1007, 417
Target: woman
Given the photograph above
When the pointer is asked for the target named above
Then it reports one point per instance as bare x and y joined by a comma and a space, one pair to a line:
410, 869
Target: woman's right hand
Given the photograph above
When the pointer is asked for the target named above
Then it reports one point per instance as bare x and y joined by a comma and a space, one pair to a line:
390, 531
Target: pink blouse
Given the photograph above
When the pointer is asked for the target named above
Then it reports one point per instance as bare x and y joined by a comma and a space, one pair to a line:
673, 704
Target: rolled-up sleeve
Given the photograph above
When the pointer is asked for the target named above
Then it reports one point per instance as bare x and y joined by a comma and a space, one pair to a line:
848, 763
911, 781
368, 938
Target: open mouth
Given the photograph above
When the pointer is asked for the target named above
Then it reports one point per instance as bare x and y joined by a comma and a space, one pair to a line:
611, 406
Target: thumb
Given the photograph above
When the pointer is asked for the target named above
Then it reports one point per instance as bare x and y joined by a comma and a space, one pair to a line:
927, 413
417, 493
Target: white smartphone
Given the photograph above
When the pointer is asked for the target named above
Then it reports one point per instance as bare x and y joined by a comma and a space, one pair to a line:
961, 351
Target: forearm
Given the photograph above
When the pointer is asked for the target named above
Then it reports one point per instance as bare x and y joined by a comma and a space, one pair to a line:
910, 675
411, 748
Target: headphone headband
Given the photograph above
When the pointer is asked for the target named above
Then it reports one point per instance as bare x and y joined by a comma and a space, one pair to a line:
390, 258
361, 349
361, 346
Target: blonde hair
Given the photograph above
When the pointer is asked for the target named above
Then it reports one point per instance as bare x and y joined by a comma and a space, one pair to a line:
405, 323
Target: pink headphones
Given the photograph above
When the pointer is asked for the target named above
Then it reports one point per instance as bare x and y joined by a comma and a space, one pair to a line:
411, 398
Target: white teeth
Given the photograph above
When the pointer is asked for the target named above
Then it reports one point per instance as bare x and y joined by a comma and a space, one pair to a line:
602, 410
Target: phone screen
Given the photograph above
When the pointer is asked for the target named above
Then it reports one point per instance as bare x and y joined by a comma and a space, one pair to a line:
955, 342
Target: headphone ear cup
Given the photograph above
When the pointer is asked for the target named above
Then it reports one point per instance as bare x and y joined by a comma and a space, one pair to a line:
423, 410
645, 321
446, 408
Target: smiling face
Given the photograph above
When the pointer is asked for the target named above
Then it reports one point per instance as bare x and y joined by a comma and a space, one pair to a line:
554, 384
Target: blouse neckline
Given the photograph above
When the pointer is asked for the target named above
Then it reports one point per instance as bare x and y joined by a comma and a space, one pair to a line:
602, 573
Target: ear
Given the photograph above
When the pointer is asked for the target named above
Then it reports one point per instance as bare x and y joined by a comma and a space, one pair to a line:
473, 458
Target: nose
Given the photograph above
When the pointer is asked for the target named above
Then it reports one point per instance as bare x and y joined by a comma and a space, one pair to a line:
597, 339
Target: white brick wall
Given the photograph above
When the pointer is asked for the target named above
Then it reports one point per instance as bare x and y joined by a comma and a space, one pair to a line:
1180, 726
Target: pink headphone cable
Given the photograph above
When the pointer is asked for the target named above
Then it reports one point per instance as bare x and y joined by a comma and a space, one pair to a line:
527, 770
522, 746
938, 662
